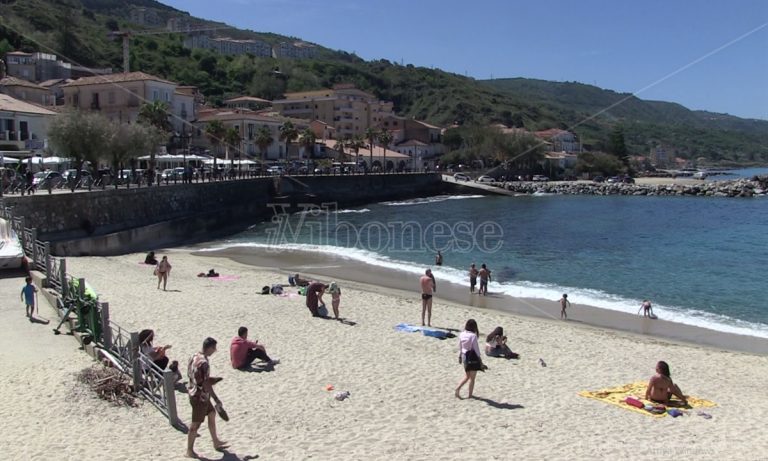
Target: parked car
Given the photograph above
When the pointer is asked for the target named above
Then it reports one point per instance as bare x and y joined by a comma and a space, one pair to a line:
172, 174
71, 174
46, 179
627, 180
598, 179
540, 178
461, 177
275, 170
613, 179
486, 178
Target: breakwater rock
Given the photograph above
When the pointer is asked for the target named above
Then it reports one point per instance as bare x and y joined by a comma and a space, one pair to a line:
732, 188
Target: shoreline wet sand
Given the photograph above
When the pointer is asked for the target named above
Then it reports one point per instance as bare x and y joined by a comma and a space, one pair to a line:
328, 267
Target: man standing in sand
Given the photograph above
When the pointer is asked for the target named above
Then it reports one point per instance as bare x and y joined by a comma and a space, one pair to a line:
200, 389
428, 288
472, 277
563, 304
485, 277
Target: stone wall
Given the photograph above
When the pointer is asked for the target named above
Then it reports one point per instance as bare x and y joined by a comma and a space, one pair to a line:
117, 221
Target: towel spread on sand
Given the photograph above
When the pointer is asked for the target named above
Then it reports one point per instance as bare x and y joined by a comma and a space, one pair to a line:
616, 396
224, 278
407, 328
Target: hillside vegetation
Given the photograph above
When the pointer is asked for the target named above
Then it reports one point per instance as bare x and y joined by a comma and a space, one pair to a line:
78, 30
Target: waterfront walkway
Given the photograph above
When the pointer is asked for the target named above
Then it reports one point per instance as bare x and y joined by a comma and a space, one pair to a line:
478, 187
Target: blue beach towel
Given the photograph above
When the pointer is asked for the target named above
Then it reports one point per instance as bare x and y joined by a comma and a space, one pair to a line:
435, 333
407, 328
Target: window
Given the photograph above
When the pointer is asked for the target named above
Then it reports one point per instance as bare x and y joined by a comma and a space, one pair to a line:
167, 97
155, 95
75, 100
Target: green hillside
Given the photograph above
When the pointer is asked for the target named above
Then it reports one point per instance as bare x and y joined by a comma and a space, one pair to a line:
78, 30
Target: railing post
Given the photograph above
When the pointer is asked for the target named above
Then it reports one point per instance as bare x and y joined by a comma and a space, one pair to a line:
169, 381
22, 234
48, 271
106, 331
135, 365
63, 277
34, 248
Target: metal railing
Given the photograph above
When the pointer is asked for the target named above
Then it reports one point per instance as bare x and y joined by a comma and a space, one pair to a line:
157, 386
92, 319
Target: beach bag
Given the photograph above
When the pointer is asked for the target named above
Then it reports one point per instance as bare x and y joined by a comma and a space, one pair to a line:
265, 290
322, 311
471, 360
277, 289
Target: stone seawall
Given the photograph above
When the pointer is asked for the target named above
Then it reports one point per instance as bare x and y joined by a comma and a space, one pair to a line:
118, 221
732, 188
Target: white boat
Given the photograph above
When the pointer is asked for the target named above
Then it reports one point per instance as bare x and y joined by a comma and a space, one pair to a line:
700, 175
11, 253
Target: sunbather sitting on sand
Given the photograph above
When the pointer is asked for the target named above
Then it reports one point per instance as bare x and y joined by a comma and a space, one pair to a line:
297, 281
496, 345
211, 273
661, 388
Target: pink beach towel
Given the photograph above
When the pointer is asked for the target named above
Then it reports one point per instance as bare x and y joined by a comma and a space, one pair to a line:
224, 278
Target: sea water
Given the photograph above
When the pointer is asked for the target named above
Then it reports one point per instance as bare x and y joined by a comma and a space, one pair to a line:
701, 261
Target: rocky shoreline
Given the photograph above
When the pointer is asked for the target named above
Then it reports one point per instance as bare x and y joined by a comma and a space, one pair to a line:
757, 186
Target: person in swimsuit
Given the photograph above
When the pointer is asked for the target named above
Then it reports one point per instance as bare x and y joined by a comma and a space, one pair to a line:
661, 388
335, 292
564, 303
428, 288
485, 277
162, 270
438, 258
472, 277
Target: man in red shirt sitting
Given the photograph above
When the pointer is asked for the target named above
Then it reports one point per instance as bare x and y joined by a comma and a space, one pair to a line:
243, 352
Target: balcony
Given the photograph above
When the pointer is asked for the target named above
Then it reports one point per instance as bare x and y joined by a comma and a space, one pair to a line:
295, 111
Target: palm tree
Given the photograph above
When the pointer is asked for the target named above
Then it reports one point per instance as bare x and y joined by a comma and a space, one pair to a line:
385, 137
231, 139
339, 147
288, 133
307, 141
264, 139
155, 114
215, 132
355, 144
371, 134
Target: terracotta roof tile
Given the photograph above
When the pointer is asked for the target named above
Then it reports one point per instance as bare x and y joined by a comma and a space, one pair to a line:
116, 78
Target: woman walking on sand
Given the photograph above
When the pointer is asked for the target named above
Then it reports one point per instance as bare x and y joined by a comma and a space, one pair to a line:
162, 270
469, 355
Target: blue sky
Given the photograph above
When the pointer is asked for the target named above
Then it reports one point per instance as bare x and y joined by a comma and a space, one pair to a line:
651, 45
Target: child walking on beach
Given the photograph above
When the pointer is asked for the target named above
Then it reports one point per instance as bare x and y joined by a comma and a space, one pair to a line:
28, 296
564, 303
335, 292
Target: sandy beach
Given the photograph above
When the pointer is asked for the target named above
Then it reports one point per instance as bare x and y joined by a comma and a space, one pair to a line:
401, 384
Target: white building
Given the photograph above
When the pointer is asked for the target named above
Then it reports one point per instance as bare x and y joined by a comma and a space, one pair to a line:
23, 126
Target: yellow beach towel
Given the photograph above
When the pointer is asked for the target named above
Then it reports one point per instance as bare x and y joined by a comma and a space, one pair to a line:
616, 396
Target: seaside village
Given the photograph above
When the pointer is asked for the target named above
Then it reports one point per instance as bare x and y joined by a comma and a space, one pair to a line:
92, 236
338, 130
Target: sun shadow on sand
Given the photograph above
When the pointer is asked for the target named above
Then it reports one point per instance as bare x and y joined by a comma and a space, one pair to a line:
261, 368
39, 320
500, 406
227, 456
